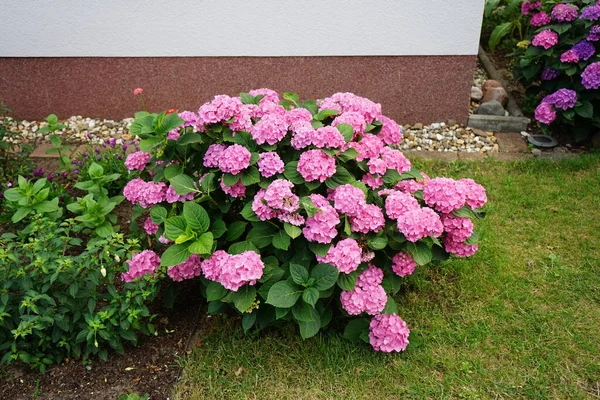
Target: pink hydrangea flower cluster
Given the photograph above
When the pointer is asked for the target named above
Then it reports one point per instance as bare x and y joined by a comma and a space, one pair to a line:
236, 190
530, 6
346, 256
391, 132
270, 164
540, 19
419, 223
353, 118
411, 186
460, 249
146, 262
270, 129
316, 165
367, 296
321, 227
394, 159
458, 228
234, 159
279, 196
145, 194
221, 108
188, 269
233, 271
403, 264
137, 161
328, 136
545, 39
348, 199
370, 146
349, 102
388, 332
189, 118
545, 113
213, 155
150, 227
565, 12
444, 194
398, 203
368, 218
297, 117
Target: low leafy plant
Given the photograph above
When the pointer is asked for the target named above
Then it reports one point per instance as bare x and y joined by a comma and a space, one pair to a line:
503, 18
110, 155
31, 197
95, 215
294, 211
561, 67
54, 304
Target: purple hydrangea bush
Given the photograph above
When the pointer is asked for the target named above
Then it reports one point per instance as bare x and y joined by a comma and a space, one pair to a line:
294, 211
561, 67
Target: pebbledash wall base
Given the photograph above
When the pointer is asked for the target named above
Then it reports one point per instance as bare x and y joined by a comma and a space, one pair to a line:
410, 88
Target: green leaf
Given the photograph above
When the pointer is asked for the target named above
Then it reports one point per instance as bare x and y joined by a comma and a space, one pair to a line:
284, 294
473, 239
390, 307
95, 170
292, 230
150, 143
309, 329
73, 289
349, 154
392, 177
464, 212
174, 255
299, 274
347, 132
325, 275
250, 176
21, 213
202, 245
341, 177
182, 184
189, 138
292, 174
218, 228
175, 227
215, 291
356, 328
310, 295
303, 312
377, 242
230, 180
240, 247
261, 235
244, 297
47, 206
347, 281
292, 97
307, 204
248, 321
172, 171
281, 240
248, 213
420, 252
490, 5
13, 194
585, 110
104, 230
196, 217
158, 214
498, 33
235, 230
319, 249
323, 114
168, 122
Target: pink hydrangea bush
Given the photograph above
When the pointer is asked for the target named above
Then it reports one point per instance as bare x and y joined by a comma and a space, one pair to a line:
293, 210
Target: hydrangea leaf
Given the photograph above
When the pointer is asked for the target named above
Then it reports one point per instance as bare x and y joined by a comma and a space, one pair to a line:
284, 294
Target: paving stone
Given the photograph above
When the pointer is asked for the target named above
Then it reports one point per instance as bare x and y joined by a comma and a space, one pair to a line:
511, 143
40, 151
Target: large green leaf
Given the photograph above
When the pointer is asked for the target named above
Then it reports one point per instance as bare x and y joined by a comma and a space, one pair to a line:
325, 276
284, 294
341, 177
196, 217
175, 227
292, 174
203, 245
420, 252
355, 329
235, 230
183, 184
215, 291
585, 110
261, 235
174, 255
299, 274
281, 240
244, 297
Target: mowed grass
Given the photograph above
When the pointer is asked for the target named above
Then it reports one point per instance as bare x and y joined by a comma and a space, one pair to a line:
520, 319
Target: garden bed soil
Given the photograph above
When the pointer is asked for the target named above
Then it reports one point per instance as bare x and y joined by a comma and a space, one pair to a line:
152, 367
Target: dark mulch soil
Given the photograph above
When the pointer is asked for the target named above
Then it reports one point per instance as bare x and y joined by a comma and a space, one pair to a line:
152, 367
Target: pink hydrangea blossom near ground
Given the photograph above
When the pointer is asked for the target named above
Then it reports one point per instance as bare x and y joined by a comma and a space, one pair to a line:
187, 269
145, 262
137, 161
388, 332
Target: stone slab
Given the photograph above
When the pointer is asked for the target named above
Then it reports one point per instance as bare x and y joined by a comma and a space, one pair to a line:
40, 151
497, 123
509, 142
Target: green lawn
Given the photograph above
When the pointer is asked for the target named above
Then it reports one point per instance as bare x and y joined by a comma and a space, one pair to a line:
520, 319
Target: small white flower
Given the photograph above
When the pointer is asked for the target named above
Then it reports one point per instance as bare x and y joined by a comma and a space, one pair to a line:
117, 258
103, 271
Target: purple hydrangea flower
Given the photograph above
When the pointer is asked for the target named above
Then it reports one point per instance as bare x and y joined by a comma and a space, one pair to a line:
545, 39
545, 113
584, 49
550, 73
594, 35
562, 98
590, 78
591, 13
